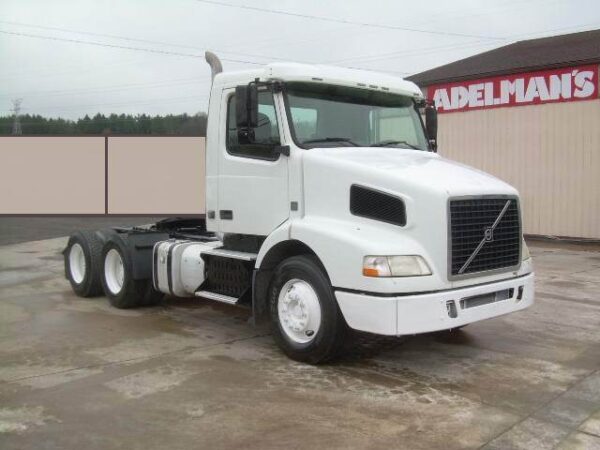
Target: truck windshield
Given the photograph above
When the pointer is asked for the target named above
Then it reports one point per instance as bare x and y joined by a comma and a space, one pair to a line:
324, 115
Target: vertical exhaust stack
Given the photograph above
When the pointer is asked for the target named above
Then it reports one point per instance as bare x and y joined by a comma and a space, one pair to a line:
214, 62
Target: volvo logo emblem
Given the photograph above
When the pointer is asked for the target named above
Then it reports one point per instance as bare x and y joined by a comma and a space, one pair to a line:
488, 234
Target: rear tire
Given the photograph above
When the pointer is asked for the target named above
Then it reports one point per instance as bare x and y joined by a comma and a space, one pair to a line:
305, 319
83, 263
122, 290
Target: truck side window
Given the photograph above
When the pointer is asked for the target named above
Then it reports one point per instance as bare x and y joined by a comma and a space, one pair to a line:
266, 134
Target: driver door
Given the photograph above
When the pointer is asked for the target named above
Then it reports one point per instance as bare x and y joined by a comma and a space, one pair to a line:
253, 178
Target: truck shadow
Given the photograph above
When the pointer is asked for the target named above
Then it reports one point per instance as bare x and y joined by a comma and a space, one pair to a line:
361, 346
358, 347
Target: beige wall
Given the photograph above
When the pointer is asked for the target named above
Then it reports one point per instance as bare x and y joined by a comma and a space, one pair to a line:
66, 175
550, 153
149, 175
58, 175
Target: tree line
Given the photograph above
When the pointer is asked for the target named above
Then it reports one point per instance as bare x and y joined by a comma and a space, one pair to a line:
179, 124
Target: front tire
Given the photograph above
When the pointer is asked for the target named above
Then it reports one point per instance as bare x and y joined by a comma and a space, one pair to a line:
83, 263
122, 290
306, 322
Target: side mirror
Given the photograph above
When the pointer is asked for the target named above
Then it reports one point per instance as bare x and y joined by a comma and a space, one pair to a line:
431, 125
246, 114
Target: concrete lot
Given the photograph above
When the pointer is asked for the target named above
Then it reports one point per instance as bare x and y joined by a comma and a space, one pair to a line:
77, 374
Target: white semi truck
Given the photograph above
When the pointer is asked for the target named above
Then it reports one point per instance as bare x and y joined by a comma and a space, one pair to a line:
327, 209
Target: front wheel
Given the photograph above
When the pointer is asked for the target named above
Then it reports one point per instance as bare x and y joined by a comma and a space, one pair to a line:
306, 321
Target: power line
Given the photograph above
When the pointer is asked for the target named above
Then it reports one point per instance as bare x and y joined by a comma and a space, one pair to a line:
374, 57
118, 87
77, 68
553, 30
430, 50
89, 33
77, 41
481, 46
124, 47
344, 21
135, 40
425, 51
132, 39
456, 14
366, 58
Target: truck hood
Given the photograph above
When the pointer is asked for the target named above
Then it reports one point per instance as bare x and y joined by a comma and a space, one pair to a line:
409, 169
423, 180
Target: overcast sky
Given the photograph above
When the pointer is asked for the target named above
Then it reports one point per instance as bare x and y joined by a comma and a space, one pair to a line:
71, 79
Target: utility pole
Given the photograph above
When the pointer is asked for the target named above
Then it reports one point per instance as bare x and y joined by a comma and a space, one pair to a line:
16, 129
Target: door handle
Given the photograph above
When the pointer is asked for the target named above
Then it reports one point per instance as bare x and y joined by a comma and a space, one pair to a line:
226, 214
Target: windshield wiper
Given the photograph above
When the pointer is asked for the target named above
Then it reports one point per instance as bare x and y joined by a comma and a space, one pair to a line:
392, 142
331, 139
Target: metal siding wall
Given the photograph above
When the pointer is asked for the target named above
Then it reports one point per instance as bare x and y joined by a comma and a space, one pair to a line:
550, 153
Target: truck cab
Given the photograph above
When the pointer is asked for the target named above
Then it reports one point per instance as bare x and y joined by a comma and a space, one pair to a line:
328, 209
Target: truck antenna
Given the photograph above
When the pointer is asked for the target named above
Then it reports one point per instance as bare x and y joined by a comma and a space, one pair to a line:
214, 62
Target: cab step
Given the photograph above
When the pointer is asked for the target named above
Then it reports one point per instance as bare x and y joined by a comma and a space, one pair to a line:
232, 254
217, 297
228, 276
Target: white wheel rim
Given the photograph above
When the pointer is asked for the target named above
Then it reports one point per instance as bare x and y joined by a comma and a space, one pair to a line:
77, 263
114, 272
299, 311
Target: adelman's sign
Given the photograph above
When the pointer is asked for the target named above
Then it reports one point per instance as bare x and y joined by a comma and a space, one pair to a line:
556, 85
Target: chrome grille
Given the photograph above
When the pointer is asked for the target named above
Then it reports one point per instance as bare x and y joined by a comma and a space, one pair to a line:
485, 234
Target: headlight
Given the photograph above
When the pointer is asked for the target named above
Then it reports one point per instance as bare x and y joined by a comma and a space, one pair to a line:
525, 251
395, 266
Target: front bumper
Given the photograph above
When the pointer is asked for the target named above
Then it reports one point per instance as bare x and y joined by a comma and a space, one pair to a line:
423, 313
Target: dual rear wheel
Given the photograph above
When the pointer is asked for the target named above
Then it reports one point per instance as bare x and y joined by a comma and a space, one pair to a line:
306, 321
94, 265
83, 257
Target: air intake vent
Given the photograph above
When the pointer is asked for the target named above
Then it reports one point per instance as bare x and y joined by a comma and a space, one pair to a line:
377, 205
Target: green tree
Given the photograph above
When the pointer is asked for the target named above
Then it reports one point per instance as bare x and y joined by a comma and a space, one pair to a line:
116, 124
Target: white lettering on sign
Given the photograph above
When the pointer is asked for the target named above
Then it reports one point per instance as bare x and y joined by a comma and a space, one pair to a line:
558, 85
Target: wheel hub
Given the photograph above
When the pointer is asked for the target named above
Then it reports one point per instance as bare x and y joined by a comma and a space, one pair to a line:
299, 310
77, 264
114, 271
